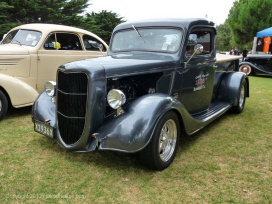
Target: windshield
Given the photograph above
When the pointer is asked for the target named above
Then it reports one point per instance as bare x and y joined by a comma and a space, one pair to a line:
23, 37
147, 39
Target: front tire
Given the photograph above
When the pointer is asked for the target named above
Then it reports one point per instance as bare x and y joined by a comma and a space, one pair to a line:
161, 150
239, 107
3, 105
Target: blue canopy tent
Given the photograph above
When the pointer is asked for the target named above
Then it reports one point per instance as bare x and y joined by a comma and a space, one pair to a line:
264, 33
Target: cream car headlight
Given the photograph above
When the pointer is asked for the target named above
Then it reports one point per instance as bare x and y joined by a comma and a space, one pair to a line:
116, 98
50, 88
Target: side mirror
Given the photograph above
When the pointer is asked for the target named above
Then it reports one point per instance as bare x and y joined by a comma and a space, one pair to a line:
198, 48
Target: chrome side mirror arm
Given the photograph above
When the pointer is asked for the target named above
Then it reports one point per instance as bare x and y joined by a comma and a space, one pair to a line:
197, 50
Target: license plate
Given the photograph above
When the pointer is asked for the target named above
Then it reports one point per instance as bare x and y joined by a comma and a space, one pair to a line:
43, 129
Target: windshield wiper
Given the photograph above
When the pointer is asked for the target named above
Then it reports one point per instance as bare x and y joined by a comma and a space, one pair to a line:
138, 32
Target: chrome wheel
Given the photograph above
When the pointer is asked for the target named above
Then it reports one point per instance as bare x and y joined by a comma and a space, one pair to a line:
239, 105
167, 140
162, 148
242, 96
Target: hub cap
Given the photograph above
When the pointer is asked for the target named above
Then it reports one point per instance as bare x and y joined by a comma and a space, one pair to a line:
242, 96
245, 68
168, 139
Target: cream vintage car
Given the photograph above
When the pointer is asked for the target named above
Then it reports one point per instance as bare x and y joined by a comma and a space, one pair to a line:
30, 55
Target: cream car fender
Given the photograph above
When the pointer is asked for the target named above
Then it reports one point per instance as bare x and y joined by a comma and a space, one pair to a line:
19, 92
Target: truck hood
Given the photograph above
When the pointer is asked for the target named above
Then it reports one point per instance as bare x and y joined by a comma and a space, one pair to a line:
13, 49
132, 64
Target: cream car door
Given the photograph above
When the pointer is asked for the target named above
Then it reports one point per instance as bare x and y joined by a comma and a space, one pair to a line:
59, 48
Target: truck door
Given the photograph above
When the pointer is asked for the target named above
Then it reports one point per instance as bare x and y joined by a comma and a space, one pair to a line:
198, 75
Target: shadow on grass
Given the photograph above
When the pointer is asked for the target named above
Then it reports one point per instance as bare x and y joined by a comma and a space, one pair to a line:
16, 112
103, 159
118, 160
261, 76
187, 141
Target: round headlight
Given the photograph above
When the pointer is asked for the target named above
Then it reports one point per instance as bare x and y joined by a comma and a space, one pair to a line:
116, 98
50, 88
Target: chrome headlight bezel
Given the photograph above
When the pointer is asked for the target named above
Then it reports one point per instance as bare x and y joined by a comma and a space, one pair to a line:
50, 88
116, 98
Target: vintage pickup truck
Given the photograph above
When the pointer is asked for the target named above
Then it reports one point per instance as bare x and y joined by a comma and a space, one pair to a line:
30, 55
159, 80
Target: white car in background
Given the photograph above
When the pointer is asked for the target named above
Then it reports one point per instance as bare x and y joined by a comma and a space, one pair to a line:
30, 55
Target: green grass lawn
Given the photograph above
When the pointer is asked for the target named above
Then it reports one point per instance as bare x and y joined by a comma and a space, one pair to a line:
229, 161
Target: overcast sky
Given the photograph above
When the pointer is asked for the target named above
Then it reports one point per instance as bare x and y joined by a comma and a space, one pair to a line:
216, 10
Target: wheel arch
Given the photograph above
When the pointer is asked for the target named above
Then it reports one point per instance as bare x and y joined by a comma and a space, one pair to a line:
230, 86
133, 130
19, 93
6, 94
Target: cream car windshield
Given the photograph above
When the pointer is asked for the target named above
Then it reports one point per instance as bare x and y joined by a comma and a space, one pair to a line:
147, 39
23, 37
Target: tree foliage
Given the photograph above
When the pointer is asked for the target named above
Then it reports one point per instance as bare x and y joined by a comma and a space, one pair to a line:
107, 21
247, 17
223, 42
5, 24
66, 12
49, 11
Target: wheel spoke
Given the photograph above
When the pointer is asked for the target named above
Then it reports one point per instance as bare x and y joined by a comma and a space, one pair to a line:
167, 142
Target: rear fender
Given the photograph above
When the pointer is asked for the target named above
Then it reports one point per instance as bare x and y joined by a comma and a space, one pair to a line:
230, 87
20, 93
255, 67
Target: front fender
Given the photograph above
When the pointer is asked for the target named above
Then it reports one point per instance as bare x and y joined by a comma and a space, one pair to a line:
131, 131
20, 93
255, 67
44, 109
230, 87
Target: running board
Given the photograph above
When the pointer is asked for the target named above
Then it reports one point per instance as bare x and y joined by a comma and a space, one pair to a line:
216, 109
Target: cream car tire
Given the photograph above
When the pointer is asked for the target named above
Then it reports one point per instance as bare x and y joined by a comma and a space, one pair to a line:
3, 105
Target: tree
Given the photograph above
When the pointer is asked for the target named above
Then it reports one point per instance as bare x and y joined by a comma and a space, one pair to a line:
107, 21
247, 17
5, 24
223, 41
16, 12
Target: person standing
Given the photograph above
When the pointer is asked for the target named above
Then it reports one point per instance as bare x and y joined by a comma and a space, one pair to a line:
244, 53
267, 42
235, 51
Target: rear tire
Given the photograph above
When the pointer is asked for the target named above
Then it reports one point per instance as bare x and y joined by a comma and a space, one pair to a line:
3, 105
241, 98
161, 150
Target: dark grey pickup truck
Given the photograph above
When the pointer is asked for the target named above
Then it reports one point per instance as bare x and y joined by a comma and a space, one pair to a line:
160, 79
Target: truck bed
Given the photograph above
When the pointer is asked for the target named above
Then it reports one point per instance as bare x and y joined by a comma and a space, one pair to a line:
225, 58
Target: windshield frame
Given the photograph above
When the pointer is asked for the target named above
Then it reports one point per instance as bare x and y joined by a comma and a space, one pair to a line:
143, 40
23, 37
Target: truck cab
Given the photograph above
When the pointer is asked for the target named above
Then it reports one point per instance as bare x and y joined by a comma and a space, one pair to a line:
160, 79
